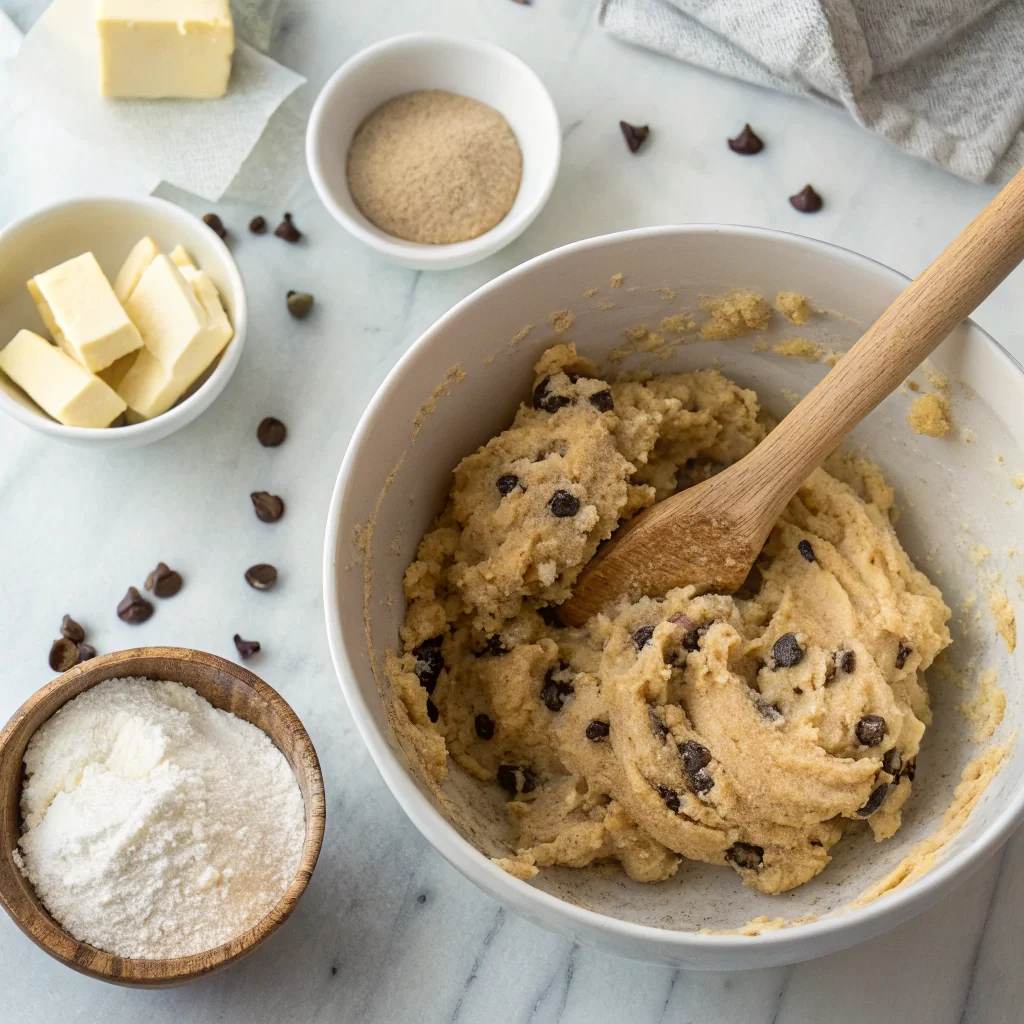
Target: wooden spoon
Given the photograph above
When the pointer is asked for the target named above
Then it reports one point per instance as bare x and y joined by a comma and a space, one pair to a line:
710, 534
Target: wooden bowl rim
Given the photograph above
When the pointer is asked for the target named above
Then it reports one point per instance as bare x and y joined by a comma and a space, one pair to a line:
22, 904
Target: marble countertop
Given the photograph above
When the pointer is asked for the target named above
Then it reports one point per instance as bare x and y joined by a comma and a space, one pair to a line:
388, 931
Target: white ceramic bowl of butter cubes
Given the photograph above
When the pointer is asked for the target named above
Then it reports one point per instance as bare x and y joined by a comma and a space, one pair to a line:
145, 332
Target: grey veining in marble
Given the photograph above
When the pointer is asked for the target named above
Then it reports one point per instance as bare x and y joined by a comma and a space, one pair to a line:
387, 931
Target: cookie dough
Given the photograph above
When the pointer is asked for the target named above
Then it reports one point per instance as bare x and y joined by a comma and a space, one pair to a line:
930, 415
747, 731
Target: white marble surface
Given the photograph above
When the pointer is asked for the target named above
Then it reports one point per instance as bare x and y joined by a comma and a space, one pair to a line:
387, 931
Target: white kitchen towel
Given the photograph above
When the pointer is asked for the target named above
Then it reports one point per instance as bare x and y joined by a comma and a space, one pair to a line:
197, 145
942, 79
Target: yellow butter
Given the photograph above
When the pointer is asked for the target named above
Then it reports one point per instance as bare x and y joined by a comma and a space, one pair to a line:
180, 256
209, 298
115, 372
143, 253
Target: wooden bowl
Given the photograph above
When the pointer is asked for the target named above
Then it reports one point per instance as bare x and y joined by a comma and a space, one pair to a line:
226, 686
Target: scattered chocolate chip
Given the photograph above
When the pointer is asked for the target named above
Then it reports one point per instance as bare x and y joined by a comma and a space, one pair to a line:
549, 613
658, 727
786, 651
602, 401
334, 970
484, 726
71, 630
598, 730
746, 855
766, 709
871, 730
910, 769
299, 304
269, 507
432, 712
805, 549
86, 652
63, 654
507, 483
692, 639
696, 759
877, 798
214, 222
642, 637
287, 230
164, 582
679, 619
516, 779
261, 577
134, 608
892, 762
563, 504
902, 653
798, 690
847, 661
271, 432
544, 400
246, 648
670, 796
258, 225
429, 662
634, 135
746, 143
806, 200
554, 692
495, 646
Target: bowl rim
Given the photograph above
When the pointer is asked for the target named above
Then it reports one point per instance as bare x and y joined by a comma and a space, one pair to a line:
450, 254
872, 918
183, 412
158, 972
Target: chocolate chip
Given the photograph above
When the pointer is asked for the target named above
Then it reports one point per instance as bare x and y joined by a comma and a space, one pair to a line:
786, 651
246, 648
634, 134
134, 608
214, 222
642, 637
696, 758
429, 662
507, 483
746, 855
871, 730
258, 225
516, 779
269, 507
71, 630
805, 549
766, 709
892, 762
877, 798
602, 401
287, 230
806, 200
555, 692
261, 577
910, 769
484, 726
164, 582
432, 712
658, 727
547, 402
598, 730
299, 304
847, 661
563, 504
670, 796
746, 143
63, 654
86, 652
549, 613
692, 639
495, 646
902, 653
679, 619
271, 432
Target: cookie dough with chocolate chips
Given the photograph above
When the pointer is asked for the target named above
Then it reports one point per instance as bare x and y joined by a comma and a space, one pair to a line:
748, 731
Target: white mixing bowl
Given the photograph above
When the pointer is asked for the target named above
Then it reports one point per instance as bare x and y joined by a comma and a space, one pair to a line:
953, 495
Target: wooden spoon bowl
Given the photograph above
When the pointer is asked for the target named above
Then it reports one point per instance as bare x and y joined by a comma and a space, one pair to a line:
226, 686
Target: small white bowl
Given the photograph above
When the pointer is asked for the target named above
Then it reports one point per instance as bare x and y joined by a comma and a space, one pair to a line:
425, 60
108, 227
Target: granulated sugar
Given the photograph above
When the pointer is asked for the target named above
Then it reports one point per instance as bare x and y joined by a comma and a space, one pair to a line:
155, 824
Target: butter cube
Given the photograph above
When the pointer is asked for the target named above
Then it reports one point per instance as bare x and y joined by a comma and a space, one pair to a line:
209, 298
82, 313
115, 372
143, 253
180, 257
58, 384
162, 48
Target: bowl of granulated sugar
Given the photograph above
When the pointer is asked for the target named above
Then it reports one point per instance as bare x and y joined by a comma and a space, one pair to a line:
436, 151
163, 810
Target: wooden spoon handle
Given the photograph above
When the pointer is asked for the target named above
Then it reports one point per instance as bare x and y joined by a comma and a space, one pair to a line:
906, 333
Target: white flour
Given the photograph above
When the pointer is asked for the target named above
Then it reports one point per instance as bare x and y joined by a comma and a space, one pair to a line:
157, 825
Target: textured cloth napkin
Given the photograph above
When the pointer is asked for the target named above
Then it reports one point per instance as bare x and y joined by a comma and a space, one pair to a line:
942, 79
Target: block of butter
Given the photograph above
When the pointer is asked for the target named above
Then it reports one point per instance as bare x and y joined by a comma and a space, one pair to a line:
82, 313
144, 251
164, 48
58, 384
